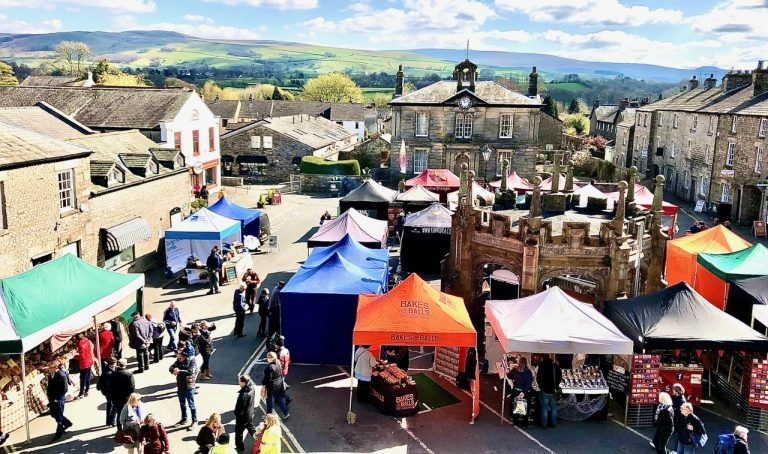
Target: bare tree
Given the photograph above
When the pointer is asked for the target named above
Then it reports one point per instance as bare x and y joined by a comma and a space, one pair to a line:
72, 57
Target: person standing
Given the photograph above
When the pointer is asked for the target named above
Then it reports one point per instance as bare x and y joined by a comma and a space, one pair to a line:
741, 433
117, 333
678, 399
548, 377
239, 306
284, 358
106, 343
690, 431
209, 433
522, 387
139, 339
130, 421
213, 263
364, 364
274, 382
665, 423
84, 363
272, 434
103, 385
185, 370
263, 304
58, 383
245, 409
121, 386
202, 342
172, 320
204, 192
274, 310
158, 328
153, 436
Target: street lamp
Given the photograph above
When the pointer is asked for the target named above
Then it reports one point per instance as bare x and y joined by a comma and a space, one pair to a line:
486, 155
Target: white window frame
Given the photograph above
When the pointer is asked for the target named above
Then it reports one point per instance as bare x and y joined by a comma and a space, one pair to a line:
506, 122
624, 140
266, 142
725, 194
115, 176
674, 121
255, 142
661, 119
686, 180
66, 187
672, 151
758, 159
695, 122
463, 128
690, 148
730, 153
733, 124
711, 124
763, 129
420, 165
704, 187
422, 124
706, 153
645, 120
501, 155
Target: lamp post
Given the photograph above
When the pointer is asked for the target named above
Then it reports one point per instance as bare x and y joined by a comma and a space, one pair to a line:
486, 155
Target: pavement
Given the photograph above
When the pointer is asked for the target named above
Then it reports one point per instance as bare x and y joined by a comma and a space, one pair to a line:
321, 393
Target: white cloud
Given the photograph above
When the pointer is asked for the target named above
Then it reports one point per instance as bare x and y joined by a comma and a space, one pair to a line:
734, 20
198, 30
277, 4
8, 25
130, 6
591, 12
197, 18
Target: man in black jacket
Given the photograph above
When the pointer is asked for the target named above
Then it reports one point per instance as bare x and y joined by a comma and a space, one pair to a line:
58, 383
104, 386
244, 411
548, 378
185, 369
140, 338
121, 385
213, 264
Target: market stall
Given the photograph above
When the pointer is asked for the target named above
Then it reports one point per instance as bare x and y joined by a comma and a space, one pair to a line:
426, 239
744, 296
480, 197
196, 236
319, 303
441, 181
554, 322
371, 198
588, 191
715, 272
546, 185
644, 199
682, 252
53, 302
367, 231
252, 221
417, 198
413, 314
514, 182
671, 327
351, 250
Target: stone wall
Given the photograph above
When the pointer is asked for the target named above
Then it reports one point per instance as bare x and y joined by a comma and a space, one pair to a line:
375, 148
318, 184
550, 132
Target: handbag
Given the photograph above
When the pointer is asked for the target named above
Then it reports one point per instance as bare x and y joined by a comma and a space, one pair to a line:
263, 393
521, 407
700, 439
257, 443
125, 437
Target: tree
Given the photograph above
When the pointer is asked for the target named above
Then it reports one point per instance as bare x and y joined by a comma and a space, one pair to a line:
381, 99
210, 90
276, 94
121, 79
71, 57
6, 75
408, 87
101, 69
333, 87
174, 82
576, 124
550, 106
573, 107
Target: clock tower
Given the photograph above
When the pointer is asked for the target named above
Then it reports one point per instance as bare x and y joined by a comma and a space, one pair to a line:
465, 75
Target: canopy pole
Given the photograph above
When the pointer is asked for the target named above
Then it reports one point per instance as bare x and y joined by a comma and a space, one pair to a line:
98, 347
503, 388
351, 384
24, 391
725, 297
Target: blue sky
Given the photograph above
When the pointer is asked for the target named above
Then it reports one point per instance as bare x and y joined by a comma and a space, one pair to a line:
726, 33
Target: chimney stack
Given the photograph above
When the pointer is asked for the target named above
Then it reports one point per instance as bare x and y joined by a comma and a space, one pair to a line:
710, 82
399, 86
596, 103
533, 84
623, 104
693, 83
736, 79
760, 78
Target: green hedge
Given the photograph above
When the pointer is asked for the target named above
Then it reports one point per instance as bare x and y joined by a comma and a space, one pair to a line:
314, 165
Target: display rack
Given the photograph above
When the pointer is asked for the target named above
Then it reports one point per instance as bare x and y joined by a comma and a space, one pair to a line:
644, 379
447, 361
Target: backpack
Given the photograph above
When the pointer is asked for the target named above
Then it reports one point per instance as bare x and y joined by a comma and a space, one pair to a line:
725, 443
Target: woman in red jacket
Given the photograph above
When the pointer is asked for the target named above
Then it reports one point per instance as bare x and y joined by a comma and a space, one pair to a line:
84, 362
153, 436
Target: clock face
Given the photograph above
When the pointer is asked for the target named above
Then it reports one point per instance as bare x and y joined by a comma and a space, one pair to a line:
465, 102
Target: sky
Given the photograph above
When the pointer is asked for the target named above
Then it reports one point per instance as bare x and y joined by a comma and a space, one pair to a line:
682, 34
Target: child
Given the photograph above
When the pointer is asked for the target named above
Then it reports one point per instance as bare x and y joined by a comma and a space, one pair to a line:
223, 446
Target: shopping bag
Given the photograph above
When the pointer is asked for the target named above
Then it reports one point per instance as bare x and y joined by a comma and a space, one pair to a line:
521, 407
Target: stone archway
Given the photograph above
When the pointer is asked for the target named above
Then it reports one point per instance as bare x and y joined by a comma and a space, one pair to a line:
461, 158
577, 281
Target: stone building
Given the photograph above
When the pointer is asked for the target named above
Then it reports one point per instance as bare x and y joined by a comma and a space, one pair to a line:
604, 120
450, 123
550, 132
269, 150
173, 117
376, 149
624, 143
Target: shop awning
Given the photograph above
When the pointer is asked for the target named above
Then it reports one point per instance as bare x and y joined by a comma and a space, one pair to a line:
252, 159
438, 180
125, 235
57, 297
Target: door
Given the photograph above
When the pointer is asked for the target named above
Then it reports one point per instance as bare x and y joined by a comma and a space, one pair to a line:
71, 248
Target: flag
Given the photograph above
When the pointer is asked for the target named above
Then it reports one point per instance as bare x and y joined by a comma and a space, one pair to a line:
402, 157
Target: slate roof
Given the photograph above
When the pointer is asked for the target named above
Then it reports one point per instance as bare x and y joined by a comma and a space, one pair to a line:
756, 106
488, 91
224, 108
316, 132
104, 107
602, 112
101, 168
44, 120
334, 111
20, 147
135, 160
689, 101
165, 155
52, 81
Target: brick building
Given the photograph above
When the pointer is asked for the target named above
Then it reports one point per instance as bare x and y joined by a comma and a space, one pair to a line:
268, 150
450, 123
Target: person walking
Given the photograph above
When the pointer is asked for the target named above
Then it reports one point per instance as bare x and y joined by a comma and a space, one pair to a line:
104, 386
153, 436
664, 422
130, 421
284, 358
172, 320
274, 310
548, 378
690, 432
158, 331
106, 343
271, 434
203, 345
364, 364
741, 433
263, 310
239, 306
185, 370
58, 383
121, 386
252, 281
213, 264
245, 410
274, 383
209, 433
678, 399
84, 359
139, 339
522, 388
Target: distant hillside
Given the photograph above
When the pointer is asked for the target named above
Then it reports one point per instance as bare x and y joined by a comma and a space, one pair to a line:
162, 49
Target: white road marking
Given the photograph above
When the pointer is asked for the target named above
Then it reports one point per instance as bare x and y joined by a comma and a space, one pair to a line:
325, 378
630, 429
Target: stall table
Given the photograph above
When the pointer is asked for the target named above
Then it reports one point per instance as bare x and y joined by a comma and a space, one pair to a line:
394, 399
234, 268
578, 402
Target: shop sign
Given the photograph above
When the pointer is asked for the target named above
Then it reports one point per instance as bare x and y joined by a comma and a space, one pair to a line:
198, 168
727, 172
405, 402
